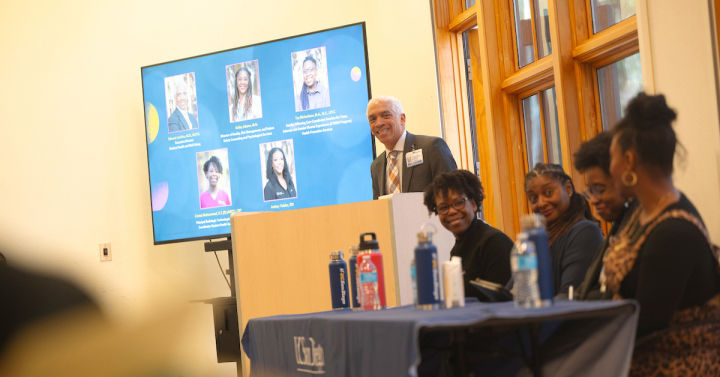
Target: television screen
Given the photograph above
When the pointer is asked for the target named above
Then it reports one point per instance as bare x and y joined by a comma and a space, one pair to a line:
270, 127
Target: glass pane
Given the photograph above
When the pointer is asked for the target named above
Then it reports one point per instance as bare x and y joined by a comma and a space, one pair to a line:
552, 126
542, 28
523, 31
473, 82
533, 130
606, 13
469, 3
618, 83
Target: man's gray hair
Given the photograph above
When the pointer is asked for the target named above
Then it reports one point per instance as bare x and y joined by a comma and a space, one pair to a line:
181, 84
395, 103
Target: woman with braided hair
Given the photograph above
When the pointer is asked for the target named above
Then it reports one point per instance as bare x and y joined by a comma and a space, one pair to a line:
246, 105
573, 232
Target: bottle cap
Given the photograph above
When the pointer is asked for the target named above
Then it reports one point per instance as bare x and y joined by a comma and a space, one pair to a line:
336, 255
533, 220
425, 234
370, 244
354, 250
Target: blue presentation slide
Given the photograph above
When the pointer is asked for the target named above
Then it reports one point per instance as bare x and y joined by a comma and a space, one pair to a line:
269, 127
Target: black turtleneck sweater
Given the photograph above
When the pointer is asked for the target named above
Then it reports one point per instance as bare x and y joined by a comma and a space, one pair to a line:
485, 253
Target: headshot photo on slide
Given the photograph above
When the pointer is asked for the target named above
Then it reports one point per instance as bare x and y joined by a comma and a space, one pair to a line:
310, 79
277, 160
181, 101
213, 173
243, 84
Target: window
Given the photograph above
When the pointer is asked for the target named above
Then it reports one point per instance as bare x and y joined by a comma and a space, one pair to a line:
541, 130
618, 83
538, 77
606, 13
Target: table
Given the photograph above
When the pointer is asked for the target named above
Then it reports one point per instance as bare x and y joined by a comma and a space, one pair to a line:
569, 338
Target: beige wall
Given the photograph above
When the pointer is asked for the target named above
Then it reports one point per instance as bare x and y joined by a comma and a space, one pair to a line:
73, 151
681, 49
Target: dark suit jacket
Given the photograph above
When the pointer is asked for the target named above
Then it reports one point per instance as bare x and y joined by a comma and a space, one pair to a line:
177, 121
437, 159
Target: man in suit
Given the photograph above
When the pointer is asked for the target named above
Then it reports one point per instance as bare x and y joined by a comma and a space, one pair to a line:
181, 119
410, 162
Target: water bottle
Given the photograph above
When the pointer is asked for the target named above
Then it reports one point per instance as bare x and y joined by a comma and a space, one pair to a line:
338, 281
534, 226
371, 247
427, 273
354, 293
524, 261
369, 285
414, 281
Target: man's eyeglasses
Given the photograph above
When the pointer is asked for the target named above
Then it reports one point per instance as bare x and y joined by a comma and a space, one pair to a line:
308, 71
592, 191
458, 205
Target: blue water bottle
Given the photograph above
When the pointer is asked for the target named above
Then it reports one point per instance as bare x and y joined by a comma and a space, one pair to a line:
338, 281
534, 226
427, 274
354, 294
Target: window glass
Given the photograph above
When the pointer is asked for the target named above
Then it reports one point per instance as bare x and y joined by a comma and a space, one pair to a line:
606, 13
523, 31
542, 28
618, 83
469, 3
533, 130
552, 126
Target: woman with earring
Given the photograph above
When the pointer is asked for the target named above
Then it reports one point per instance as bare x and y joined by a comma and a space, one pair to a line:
663, 257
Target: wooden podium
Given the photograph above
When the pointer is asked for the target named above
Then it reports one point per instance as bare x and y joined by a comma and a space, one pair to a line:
281, 258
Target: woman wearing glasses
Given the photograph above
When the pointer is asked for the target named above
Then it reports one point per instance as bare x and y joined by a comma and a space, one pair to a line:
593, 160
485, 251
313, 94
573, 232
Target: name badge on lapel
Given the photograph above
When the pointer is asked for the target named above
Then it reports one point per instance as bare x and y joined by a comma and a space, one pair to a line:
414, 158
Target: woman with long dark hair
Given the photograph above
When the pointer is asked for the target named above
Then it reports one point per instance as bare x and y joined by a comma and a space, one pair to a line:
573, 232
663, 258
280, 184
246, 105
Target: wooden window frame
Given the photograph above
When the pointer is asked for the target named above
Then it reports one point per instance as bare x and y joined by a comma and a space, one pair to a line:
571, 68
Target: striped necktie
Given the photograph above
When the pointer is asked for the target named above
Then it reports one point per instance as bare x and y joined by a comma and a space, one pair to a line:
393, 174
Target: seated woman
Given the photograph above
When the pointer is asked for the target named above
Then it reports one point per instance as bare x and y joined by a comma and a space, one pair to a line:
213, 196
573, 232
593, 159
280, 184
663, 258
485, 251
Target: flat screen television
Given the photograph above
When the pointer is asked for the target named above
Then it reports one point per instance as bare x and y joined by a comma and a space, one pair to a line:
273, 126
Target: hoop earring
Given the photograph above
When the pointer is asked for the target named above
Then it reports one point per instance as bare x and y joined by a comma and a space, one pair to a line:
633, 179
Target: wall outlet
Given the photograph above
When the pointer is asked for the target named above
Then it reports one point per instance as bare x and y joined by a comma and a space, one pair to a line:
105, 252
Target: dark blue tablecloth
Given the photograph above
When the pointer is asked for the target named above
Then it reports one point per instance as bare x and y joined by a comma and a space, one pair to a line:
589, 338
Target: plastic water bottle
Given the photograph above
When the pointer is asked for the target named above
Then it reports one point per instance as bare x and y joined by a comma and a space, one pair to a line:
369, 295
523, 260
371, 247
533, 226
414, 281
